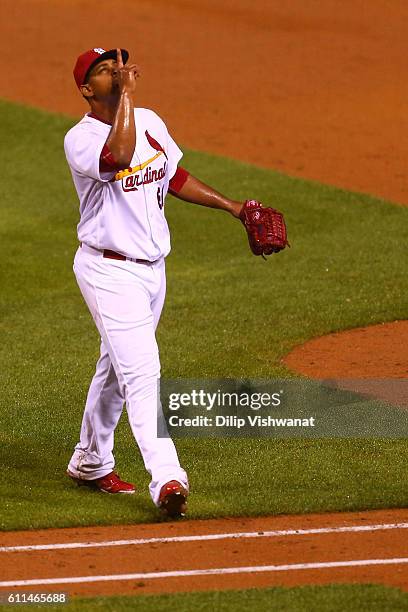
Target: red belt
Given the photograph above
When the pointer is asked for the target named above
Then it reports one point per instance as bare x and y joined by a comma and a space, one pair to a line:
114, 255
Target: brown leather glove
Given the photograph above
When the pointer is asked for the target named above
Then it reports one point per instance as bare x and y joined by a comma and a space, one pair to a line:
265, 227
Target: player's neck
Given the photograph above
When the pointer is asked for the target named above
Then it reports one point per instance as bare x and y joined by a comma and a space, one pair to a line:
105, 111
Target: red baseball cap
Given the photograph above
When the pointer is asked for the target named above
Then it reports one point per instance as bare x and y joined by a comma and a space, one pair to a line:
90, 58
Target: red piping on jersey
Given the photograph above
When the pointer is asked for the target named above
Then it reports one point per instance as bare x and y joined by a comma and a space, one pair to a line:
178, 180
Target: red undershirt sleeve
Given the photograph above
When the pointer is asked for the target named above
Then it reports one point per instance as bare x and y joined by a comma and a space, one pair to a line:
178, 180
107, 161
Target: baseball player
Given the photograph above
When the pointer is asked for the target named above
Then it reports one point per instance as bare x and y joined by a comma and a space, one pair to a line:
123, 162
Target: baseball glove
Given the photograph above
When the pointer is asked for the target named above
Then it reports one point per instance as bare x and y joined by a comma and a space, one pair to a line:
265, 227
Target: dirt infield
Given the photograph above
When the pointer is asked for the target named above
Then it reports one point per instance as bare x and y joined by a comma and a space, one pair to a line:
303, 90
359, 547
364, 352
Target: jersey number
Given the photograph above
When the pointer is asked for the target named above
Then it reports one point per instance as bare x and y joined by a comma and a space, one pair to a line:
160, 199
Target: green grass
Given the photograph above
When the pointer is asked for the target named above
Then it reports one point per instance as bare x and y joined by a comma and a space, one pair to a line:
227, 314
330, 598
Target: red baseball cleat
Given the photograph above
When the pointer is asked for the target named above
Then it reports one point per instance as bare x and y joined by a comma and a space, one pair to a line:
111, 483
173, 499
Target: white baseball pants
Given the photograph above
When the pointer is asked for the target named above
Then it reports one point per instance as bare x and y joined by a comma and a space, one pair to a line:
125, 300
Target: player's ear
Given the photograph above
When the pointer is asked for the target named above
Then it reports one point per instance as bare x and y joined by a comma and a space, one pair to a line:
86, 90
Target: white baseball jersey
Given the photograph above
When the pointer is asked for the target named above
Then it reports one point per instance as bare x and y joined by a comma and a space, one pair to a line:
123, 211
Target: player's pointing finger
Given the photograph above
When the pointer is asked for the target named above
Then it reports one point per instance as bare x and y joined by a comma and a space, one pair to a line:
119, 59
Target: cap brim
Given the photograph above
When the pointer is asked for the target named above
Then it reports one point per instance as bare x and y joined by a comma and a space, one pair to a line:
111, 54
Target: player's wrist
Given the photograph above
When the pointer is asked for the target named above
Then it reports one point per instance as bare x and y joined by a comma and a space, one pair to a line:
235, 208
127, 91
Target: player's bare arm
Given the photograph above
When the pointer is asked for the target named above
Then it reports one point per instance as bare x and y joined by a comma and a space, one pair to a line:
122, 137
197, 192
265, 227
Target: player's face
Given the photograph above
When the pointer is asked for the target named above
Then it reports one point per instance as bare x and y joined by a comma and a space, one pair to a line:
103, 79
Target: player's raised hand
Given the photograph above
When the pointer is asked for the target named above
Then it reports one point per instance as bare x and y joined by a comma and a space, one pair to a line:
127, 74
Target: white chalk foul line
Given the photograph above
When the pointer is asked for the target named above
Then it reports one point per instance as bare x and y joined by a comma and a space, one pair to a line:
212, 536
204, 572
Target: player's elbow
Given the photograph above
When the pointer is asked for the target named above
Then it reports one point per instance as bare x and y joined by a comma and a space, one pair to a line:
121, 154
123, 161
